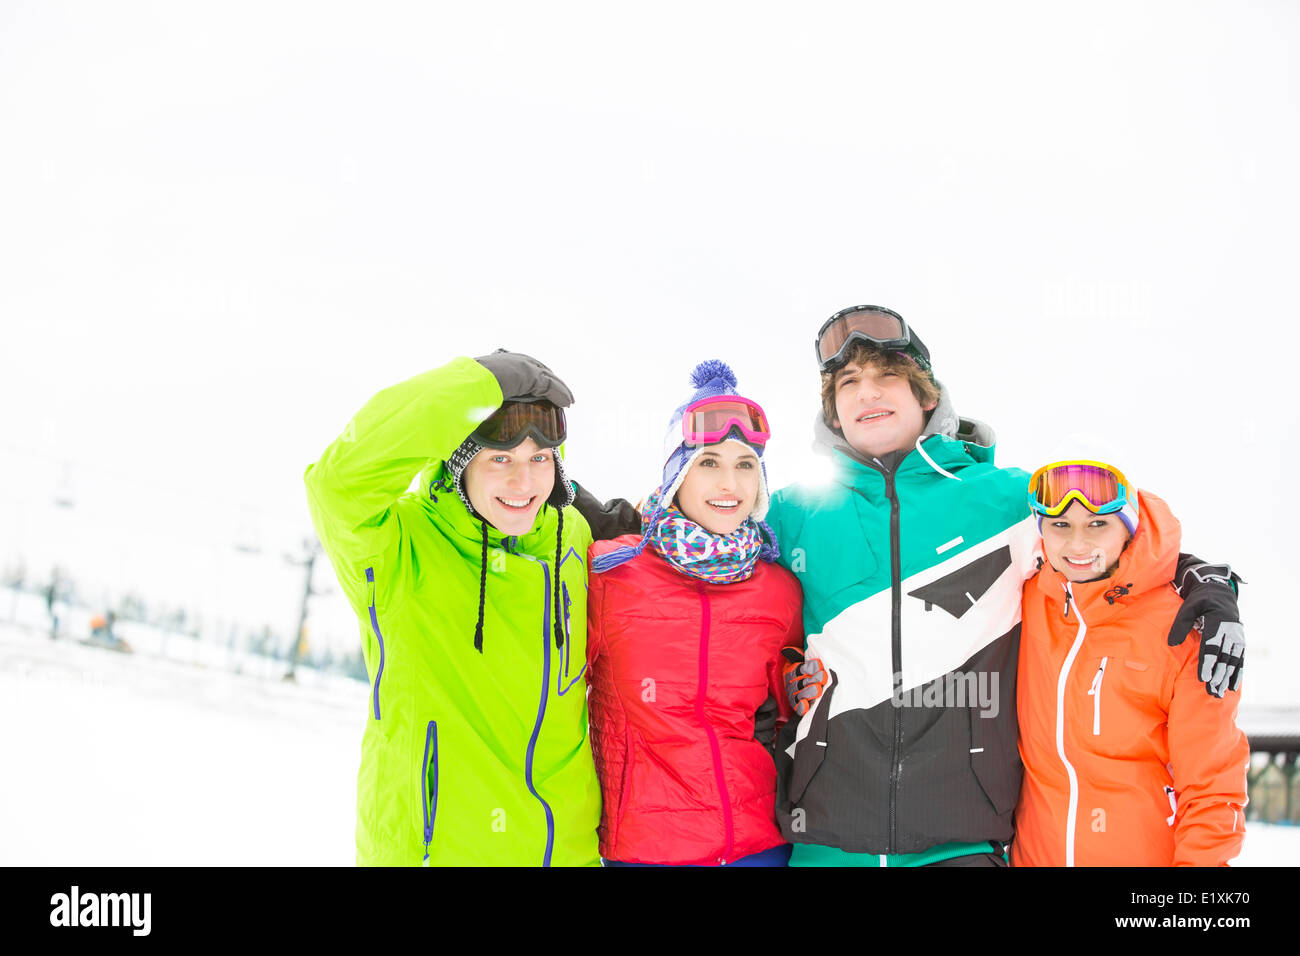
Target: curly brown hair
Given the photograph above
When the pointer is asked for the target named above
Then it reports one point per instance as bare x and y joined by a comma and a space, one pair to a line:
922, 382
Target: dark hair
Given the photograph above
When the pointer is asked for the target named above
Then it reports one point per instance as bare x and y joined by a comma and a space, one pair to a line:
922, 382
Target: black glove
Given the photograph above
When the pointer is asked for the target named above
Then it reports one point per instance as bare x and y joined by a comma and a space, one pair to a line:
609, 520
1210, 606
524, 379
765, 723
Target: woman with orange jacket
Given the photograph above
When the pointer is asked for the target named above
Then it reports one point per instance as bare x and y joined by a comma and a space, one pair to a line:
1128, 760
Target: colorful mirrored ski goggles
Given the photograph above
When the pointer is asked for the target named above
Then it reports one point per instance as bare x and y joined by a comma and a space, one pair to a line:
514, 421
707, 421
874, 324
1100, 488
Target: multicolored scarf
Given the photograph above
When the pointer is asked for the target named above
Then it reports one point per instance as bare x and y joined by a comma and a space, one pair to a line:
695, 551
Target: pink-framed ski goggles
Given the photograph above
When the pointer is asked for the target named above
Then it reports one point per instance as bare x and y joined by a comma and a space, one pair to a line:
709, 420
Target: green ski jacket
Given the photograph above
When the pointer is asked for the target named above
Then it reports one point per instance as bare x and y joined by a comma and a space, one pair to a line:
468, 758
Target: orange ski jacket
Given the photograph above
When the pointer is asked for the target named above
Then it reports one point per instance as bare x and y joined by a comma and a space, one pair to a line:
1128, 761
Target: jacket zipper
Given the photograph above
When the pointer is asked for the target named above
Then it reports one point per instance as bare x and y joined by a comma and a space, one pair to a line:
896, 645
1072, 812
374, 624
713, 738
541, 706
430, 787
896, 625
1095, 693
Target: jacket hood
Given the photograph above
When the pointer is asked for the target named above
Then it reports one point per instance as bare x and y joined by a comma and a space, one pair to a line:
944, 421
1147, 564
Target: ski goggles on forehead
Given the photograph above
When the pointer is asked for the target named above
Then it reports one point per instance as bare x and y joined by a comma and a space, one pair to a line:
873, 324
514, 421
710, 420
1098, 487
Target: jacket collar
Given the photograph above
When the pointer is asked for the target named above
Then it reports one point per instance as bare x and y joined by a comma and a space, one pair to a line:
949, 441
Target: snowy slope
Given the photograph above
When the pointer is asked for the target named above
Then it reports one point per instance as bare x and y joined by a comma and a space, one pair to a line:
128, 760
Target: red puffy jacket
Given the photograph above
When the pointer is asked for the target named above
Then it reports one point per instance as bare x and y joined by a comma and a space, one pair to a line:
677, 669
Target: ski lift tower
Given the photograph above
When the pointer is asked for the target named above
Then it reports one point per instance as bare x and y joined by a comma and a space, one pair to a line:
311, 549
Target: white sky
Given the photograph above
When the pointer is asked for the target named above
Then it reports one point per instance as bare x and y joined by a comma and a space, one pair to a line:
224, 226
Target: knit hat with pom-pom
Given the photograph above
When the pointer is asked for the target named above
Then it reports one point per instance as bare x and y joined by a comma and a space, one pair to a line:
710, 379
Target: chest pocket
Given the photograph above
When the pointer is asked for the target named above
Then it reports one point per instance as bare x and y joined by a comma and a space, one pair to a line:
1119, 711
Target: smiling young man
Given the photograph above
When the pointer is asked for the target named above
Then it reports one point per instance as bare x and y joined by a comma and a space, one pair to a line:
469, 593
878, 403
508, 487
912, 564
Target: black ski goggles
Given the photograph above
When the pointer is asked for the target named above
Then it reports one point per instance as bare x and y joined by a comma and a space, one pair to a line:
874, 324
514, 421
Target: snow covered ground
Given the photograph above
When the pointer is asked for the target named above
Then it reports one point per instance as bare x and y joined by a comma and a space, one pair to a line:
134, 760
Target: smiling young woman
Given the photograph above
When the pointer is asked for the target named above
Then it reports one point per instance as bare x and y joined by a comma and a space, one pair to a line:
721, 487
1128, 761
687, 623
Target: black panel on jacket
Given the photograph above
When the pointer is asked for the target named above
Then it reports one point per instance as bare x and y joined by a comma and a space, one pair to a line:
957, 592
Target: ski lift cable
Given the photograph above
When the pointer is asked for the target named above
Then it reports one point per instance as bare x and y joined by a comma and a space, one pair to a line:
74, 467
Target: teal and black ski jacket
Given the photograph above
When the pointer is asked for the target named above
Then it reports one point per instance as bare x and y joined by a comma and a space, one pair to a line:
912, 581
468, 758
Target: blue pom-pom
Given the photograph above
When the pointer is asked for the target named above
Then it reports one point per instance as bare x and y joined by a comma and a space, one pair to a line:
713, 371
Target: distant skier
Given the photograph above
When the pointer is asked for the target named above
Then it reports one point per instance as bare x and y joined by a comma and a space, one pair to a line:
51, 592
101, 632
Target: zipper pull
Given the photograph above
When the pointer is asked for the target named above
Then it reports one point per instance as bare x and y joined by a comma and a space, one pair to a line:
1095, 693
